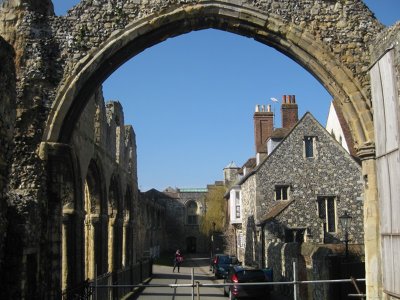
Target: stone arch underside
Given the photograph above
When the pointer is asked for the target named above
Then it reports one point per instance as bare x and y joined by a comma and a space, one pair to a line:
350, 87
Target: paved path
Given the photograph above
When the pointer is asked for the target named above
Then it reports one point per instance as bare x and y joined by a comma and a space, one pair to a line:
164, 275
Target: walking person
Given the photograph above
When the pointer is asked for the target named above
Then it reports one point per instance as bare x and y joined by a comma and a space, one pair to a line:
177, 260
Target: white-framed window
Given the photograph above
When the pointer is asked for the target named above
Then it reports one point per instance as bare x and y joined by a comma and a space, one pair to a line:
282, 192
237, 204
327, 212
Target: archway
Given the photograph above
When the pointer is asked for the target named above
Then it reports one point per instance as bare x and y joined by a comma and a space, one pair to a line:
287, 37
309, 46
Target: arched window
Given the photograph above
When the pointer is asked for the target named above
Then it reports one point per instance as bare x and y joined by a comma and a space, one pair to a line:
192, 212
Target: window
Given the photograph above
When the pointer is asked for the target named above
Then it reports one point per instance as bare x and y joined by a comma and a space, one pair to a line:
281, 192
240, 242
192, 213
309, 146
294, 235
237, 204
327, 212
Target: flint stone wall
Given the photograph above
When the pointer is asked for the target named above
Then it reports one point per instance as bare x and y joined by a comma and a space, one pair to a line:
7, 121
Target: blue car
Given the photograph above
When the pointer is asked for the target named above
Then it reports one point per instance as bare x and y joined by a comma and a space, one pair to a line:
221, 263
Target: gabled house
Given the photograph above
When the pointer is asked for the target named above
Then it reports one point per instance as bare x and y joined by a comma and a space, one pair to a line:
291, 204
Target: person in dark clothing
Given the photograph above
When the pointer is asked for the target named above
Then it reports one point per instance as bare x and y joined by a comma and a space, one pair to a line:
177, 260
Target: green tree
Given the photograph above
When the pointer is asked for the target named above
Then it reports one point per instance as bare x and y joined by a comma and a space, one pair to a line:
216, 210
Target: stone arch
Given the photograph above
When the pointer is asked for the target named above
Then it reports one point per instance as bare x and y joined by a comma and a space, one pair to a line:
93, 225
345, 82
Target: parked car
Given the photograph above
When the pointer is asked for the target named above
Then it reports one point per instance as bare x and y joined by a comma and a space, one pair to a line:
239, 274
220, 264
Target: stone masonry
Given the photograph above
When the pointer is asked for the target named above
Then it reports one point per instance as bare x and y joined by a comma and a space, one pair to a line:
60, 63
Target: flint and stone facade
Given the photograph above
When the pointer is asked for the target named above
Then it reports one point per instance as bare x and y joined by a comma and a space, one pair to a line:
290, 206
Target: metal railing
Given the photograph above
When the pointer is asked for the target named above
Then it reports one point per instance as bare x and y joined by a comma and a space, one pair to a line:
113, 285
196, 285
117, 284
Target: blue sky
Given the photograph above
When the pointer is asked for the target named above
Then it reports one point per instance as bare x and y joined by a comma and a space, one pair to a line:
191, 100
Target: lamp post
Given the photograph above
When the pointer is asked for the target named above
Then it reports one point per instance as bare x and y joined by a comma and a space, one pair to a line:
345, 221
212, 239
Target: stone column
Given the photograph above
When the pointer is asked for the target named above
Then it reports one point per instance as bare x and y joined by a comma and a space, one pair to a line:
126, 242
372, 239
111, 237
57, 255
90, 235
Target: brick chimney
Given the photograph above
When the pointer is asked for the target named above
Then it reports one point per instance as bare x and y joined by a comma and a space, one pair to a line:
289, 111
263, 126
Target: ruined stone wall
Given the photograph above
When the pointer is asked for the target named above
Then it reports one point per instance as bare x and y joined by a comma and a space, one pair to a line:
24, 25
346, 26
151, 233
7, 121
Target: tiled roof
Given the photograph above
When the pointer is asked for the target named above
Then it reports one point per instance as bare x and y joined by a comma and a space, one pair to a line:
279, 133
250, 163
275, 210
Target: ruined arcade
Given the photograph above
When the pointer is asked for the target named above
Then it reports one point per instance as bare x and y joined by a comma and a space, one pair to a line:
68, 161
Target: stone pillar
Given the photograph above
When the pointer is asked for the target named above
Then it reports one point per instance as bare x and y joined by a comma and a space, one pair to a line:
372, 240
126, 242
111, 237
91, 222
72, 269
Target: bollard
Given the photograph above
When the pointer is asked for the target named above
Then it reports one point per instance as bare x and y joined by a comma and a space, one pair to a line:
198, 290
295, 284
192, 283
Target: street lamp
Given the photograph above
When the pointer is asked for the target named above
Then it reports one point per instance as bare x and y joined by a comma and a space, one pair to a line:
345, 222
212, 240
